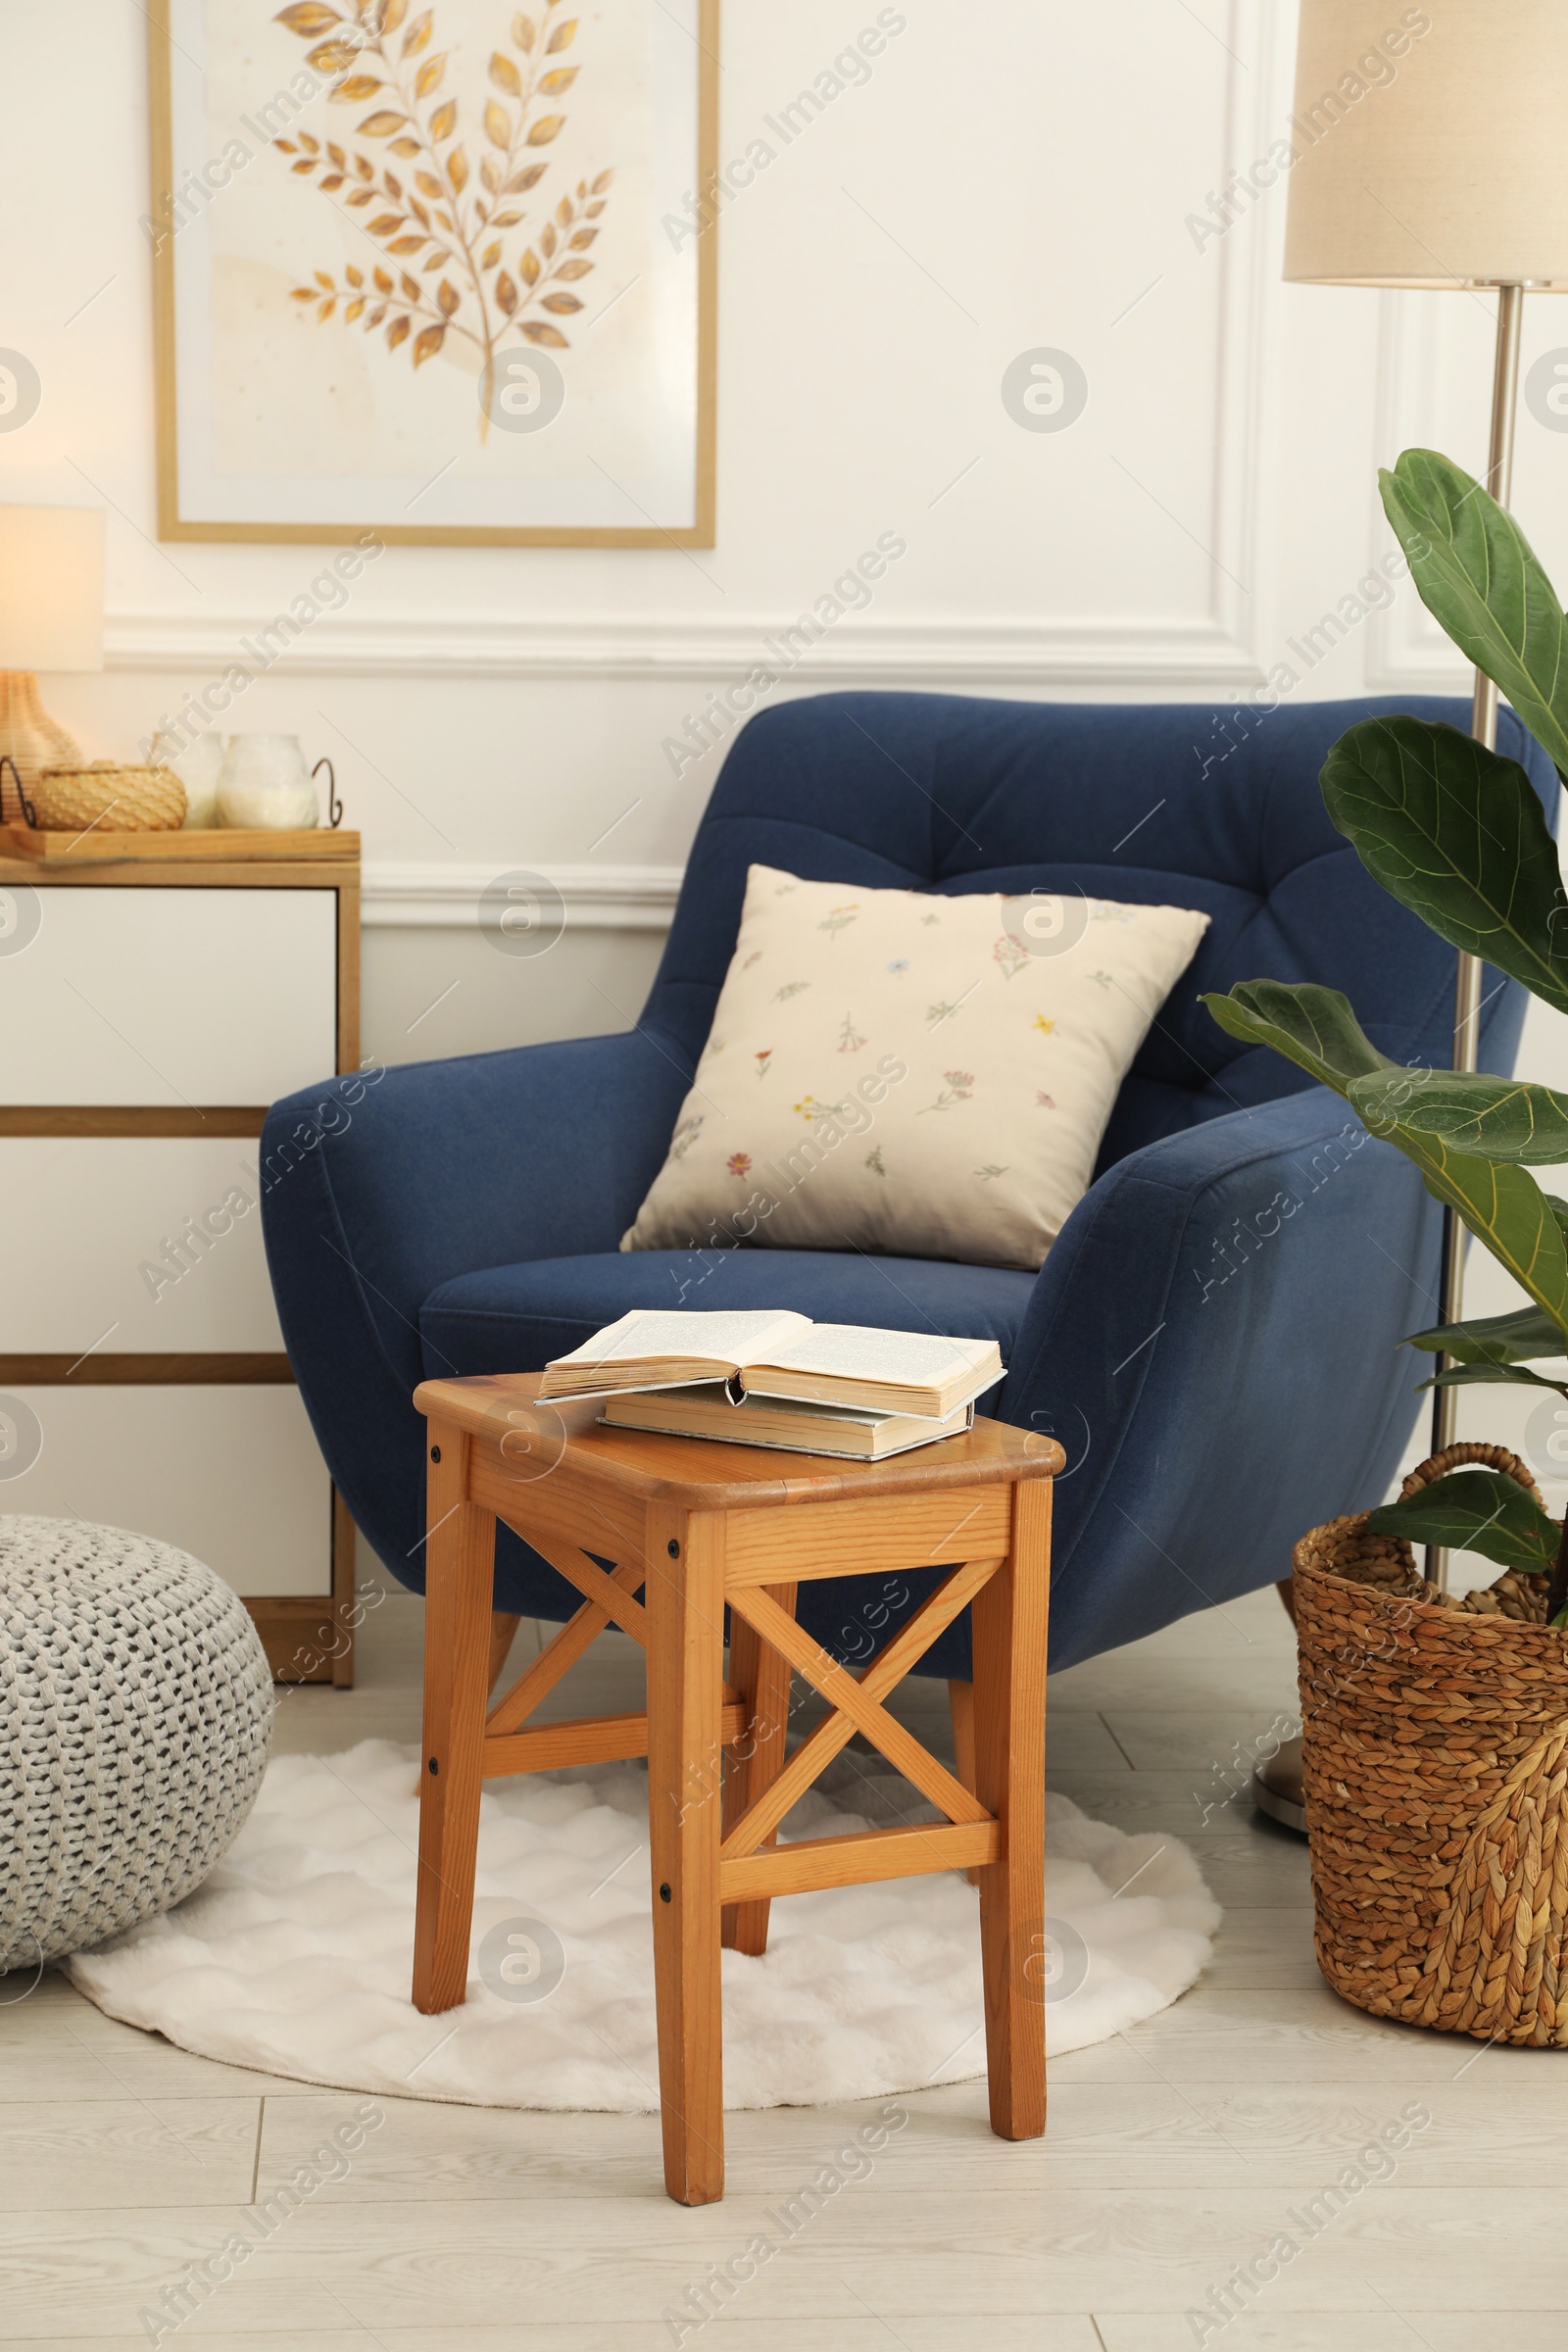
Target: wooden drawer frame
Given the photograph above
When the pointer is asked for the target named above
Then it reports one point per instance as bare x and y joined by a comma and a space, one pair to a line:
308, 1638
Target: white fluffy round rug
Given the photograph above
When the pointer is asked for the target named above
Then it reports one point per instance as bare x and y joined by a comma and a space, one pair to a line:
294, 1957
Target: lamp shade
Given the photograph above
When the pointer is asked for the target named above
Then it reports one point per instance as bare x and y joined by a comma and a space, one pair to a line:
51, 588
1430, 145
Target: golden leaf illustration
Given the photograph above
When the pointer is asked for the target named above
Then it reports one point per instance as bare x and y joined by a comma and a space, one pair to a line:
308, 17
453, 237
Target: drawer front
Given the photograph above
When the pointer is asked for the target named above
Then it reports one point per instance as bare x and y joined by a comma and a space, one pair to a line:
232, 1475
170, 997
132, 1247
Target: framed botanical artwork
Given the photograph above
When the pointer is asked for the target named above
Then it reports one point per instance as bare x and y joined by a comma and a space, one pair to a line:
435, 269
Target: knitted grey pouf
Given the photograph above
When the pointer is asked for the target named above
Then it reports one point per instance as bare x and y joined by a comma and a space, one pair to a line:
136, 1713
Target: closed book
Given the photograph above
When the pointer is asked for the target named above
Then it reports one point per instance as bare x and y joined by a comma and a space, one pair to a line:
704, 1410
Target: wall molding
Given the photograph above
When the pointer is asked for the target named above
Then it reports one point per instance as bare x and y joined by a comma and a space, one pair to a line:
433, 895
1198, 655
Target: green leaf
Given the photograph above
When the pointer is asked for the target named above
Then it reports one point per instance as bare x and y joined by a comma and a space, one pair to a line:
1476, 1510
1512, 1339
1501, 1119
1457, 834
1502, 1206
1477, 573
1472, 1376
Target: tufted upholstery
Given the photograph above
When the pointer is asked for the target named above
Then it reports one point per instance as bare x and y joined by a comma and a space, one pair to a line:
1214, 1336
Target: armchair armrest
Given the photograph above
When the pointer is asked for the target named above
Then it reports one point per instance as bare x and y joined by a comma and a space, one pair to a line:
1213, 1340
377, 1186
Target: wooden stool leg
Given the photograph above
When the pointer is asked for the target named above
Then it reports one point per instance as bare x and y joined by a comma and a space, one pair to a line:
1008, 1616
763, 1677
960, 1705
685, 1603
459, 1568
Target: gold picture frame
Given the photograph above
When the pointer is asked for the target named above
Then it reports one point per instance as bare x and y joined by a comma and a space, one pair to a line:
167, 214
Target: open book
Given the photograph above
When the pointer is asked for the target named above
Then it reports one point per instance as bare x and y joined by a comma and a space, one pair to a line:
781, 1355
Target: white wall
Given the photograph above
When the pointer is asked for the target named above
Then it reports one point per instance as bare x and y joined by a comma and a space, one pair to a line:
1014, 175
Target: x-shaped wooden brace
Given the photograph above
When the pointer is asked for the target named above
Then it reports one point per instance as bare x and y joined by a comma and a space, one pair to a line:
857, 1703
608, 1599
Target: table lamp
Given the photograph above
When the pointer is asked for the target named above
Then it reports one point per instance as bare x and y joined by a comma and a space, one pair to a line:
1434, 155
51, 617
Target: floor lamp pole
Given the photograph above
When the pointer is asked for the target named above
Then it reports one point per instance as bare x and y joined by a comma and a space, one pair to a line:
1467, 992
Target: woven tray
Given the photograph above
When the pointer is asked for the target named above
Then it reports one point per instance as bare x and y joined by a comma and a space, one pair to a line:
1435, 1764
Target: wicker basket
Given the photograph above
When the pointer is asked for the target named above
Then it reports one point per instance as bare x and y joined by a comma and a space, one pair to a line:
1436, 1738
128, 799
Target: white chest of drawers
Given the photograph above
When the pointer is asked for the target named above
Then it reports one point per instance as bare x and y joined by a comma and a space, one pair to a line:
157, 993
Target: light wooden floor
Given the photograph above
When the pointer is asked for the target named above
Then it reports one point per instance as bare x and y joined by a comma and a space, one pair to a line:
1172, 2155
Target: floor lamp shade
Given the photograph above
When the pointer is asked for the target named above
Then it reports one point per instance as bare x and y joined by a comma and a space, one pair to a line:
51, 588
1432, 150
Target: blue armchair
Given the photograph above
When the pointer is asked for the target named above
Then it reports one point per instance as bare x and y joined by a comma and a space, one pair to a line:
1213, 1337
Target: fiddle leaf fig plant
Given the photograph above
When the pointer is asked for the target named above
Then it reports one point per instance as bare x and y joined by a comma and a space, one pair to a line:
1456, 833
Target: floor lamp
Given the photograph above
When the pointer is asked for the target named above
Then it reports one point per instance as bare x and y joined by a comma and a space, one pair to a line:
1432, 155
1448, 170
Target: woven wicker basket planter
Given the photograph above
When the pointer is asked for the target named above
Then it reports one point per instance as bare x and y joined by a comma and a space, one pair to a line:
1436, 1759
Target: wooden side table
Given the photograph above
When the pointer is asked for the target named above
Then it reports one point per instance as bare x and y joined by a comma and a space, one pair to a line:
157, 992
697, 1529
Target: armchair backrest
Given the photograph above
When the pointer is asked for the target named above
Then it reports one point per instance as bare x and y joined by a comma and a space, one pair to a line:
1174, 804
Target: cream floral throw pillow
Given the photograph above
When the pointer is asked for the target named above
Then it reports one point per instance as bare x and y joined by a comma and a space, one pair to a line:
911, 1074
